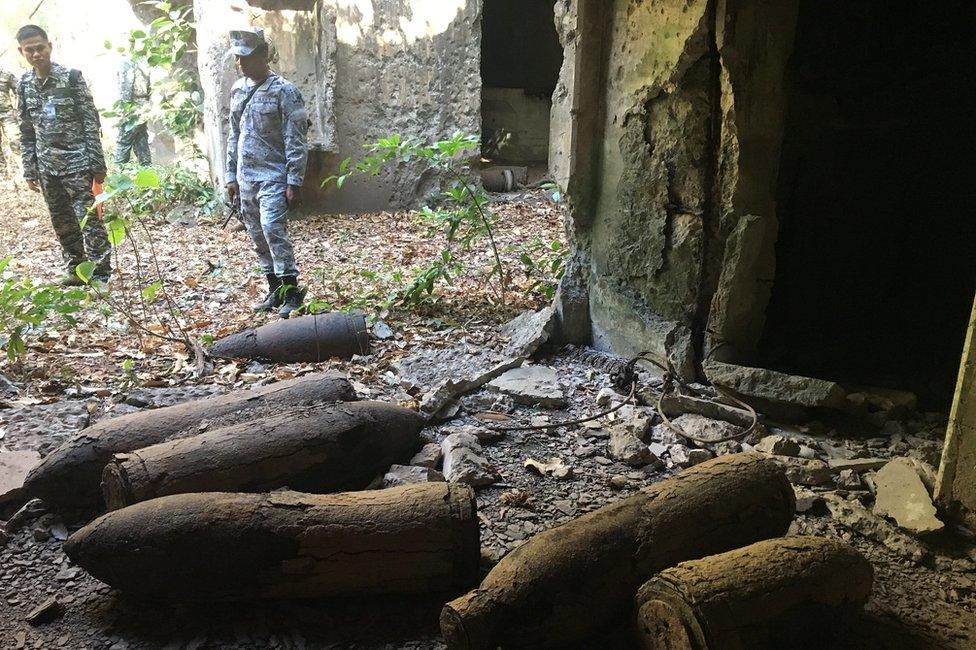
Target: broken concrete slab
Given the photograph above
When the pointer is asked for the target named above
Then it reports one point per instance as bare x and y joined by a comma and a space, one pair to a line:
902, 496
446, 391
677, 405
838, 465
779, 446
14, 467
705, 429
528, 332
805, 471
776, 387
463, 462
853, 515
409, 475
532, 386
429, 456
628, 449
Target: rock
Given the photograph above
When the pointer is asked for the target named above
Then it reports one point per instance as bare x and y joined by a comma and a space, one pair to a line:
382, 332
808, 501
657, 448
704, 428
488, 401
429, 456
528, 332
926, 472
849, 480
46, 612
684, 457
778, 445
662, 434
803, 471
554, 467
8, 388
636, 420
605, 396
14, 467
856, 517
777, 387
627, 448
728, 447
618, 482
903, 497
807, 452
409, 474
463, 462
532, 385
838, 465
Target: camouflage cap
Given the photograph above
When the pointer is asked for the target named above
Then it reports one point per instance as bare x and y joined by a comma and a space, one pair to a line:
243, 42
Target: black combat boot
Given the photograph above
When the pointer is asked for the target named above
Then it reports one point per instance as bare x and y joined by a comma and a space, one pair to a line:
294, 295
273, 300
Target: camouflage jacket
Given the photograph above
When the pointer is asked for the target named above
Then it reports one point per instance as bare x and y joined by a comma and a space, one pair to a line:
269, 136
8, 95
59, 125
134, 85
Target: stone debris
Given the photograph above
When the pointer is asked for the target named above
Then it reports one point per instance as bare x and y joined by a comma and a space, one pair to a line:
382, 332
777, 387
705, 429
606, 396
684, 457
853, 515
410, 474
857, 464
429, 456
903, 497
532, 386
463, 462
779, 446
635, 420
627, 448
488, 401
14, 467
554, 467
48, 611
804, 471
849, 480
528, 332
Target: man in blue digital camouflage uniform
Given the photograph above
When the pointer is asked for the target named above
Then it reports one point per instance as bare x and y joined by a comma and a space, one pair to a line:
266, 157
61, 151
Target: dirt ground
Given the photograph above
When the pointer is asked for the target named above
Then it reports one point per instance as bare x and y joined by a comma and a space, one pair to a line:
74, 377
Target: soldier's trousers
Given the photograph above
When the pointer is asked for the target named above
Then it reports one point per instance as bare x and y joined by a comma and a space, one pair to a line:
264, 211
133, 137
10, 147
68, 199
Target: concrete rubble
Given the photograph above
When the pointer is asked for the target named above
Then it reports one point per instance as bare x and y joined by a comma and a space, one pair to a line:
777, 387
902, 496
628, 448
532, 386
429, 456
464, 462
410, 474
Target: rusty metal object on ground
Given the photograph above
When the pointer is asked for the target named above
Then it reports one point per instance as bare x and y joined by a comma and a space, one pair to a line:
310, 338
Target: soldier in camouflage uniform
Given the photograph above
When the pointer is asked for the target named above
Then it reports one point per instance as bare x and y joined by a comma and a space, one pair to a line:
9, 124
61, 151
266, 157
134, 91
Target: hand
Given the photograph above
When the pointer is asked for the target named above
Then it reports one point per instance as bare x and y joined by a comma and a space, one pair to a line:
33, 185
233, 192
294, 196
100, 178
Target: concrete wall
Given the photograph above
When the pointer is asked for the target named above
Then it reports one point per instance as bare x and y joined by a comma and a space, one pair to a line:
675, 221
368, 69
956, 486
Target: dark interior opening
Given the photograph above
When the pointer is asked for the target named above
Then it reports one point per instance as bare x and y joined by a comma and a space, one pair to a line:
520, 61
876, 257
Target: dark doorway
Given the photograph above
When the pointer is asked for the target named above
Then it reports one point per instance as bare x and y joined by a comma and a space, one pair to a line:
520, 61
876, 258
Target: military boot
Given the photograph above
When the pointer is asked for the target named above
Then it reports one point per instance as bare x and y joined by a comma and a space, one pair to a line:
294, 295
273, 300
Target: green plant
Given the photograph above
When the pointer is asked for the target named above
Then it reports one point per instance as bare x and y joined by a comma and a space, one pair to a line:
28, 309
544, 265
461, 213
163, 46
178, 186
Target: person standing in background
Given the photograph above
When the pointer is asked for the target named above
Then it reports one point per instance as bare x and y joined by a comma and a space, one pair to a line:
134, 94
61, 150
9, 125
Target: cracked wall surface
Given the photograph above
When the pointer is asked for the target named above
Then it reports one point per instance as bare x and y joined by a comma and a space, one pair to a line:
675, 226
368, 69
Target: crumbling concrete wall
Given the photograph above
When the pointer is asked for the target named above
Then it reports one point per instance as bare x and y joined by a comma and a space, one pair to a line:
368, 69
956, 486
675, 224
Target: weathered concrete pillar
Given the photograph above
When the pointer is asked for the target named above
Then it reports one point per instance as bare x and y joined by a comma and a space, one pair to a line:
956, 485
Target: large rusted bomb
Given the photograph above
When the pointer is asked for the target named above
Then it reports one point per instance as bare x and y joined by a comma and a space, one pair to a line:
69, 478
309, 338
